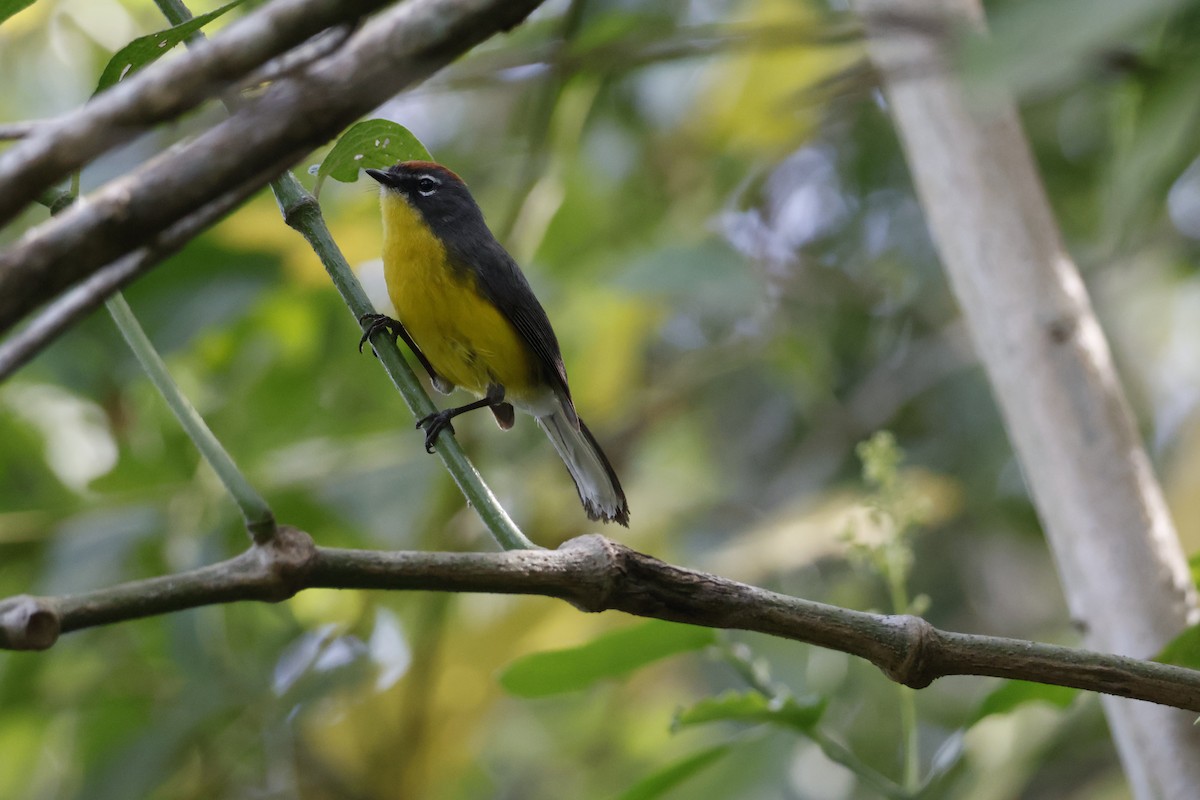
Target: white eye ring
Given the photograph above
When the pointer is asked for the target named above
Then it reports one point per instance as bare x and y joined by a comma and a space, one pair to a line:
427, 185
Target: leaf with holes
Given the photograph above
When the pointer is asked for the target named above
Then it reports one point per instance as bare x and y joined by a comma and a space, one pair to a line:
375, 144
149, 48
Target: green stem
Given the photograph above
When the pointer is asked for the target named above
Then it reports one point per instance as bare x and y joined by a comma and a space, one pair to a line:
175, 12
301, 212
259, 519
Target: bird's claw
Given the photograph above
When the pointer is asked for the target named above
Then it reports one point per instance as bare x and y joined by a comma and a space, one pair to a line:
434, 424
375, 323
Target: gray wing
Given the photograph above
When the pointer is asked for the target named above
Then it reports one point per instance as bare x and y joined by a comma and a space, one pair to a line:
502, 282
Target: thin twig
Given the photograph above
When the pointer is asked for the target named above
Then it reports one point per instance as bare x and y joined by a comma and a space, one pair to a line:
260, 522
596, 574
12, 131
506, 65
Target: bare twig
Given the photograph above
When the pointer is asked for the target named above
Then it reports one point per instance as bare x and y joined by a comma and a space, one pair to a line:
596, 574
11, 131
640, 50
394, 50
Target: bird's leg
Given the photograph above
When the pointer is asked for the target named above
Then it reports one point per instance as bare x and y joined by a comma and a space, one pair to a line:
382, 322
438, 421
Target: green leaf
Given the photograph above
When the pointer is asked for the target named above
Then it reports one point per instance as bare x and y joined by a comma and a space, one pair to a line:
670, 776
147, 49
10, 7
1011, 694
374, 143
1183, 650
801, 714
610, 656
1194, 563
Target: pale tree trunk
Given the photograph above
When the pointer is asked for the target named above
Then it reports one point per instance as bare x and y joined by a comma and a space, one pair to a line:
1122, 569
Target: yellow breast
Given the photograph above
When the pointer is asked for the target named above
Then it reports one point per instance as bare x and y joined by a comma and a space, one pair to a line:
466, 339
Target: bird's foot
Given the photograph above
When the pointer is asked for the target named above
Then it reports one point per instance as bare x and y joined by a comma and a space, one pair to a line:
434, 424
376, 323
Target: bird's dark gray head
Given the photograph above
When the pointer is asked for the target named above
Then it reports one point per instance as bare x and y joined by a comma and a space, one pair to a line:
439, 194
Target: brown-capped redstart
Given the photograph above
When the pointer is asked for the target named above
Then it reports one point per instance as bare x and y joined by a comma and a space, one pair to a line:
469, 316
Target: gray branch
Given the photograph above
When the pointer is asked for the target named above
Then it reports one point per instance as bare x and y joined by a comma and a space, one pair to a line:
269, 134
596, 574
56, 148
1123, 571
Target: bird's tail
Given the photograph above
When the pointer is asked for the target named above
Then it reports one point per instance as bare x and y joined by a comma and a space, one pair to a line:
599, 490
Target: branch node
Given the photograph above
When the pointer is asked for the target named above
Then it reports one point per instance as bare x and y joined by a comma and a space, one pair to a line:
918, 641
28, 623
262, 531
599, 564
301, 204
285, 560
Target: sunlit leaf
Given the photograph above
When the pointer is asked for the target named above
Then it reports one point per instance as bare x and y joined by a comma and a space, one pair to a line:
1011, 694
149, 48
799, 713
375, 144
670, 776
610, 656
10, 7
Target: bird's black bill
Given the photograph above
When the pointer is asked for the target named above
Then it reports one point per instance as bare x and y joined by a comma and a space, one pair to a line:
381, 176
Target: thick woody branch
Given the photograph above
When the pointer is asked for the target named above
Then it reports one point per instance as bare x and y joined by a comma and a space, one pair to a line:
1124, 574
162, 91
294, 115
596, 574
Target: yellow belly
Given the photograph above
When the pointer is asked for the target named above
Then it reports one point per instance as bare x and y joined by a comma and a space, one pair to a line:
465, 338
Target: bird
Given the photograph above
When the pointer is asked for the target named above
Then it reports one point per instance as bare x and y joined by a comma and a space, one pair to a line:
465, 309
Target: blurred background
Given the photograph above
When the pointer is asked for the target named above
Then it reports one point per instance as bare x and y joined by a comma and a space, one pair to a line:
709, 199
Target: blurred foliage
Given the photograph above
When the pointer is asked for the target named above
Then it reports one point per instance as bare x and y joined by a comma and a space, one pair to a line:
612, 655
710, 201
